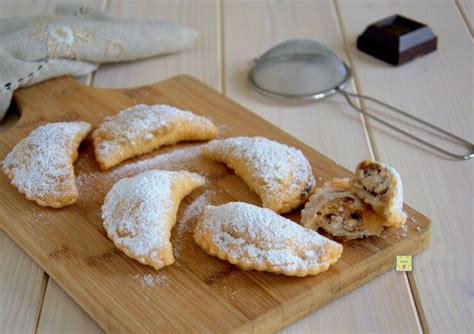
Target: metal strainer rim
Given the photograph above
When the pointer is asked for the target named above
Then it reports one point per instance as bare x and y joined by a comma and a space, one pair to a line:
340, 89
309, 96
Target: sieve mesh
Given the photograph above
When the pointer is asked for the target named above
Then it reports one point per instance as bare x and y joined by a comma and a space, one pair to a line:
299, 67
306, 69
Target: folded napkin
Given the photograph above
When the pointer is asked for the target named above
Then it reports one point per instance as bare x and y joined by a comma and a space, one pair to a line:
74, 41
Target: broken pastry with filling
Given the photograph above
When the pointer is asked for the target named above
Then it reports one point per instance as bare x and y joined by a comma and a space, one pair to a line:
338, 211
380, 186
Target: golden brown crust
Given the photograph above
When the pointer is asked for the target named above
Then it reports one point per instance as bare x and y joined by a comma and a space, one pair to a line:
142, 129
41, 165
256, 238
139, 213
279, 174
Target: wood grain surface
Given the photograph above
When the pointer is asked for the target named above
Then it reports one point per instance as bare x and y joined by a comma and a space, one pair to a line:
466, 9
71, 245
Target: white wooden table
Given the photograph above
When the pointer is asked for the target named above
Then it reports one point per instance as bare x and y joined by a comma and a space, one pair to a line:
438, 294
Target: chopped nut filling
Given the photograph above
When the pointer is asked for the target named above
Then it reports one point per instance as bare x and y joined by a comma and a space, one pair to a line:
342, 213
307, 189
375, 181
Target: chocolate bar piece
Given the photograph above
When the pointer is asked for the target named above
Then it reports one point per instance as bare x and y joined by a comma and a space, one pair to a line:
397, 40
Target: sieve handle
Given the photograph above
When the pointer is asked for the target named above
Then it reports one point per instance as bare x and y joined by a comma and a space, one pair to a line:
459, 140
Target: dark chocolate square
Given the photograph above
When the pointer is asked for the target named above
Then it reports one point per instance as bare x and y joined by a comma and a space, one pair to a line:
397, 40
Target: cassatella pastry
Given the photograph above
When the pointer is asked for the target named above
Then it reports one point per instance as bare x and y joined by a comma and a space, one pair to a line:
139, 212
338, 211
280, 175
380, 186
141, 129
257, 238
40, 166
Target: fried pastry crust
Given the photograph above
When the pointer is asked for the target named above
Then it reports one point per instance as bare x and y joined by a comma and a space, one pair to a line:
139, 213
380, 186
338, 211
142, 129
280, 175
257, 238
40, 166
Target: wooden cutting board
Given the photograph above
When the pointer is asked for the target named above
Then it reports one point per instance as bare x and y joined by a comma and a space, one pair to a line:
198, 292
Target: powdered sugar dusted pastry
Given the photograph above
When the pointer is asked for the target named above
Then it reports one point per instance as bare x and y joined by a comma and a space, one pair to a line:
380, 186
256, 238
279, 174
41, 165
141, 129
340, 212
140, 211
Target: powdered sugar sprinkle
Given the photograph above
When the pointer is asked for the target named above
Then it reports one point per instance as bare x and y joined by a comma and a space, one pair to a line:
259, 238
136, 212
178, 158
282, 170
40, 165
184, 227
150, 280
141, 122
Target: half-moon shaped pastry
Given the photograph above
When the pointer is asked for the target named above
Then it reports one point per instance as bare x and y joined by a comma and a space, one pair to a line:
338, 211
280, 175
142, 129
380, 186
41, 165
139, 213
257, 238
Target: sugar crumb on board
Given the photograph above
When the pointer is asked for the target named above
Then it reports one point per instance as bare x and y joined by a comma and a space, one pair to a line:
229, 292
178, 159
86, 180
191, 212
195, 208
221, 130
39, 215
402, 232
149, 280
417, 227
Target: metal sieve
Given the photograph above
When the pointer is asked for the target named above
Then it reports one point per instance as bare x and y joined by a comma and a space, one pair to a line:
303, 69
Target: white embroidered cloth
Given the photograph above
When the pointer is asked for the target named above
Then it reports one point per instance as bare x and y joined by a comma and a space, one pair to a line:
74, 41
